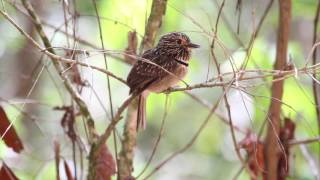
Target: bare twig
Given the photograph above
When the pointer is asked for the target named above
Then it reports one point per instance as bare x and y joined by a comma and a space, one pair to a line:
192, 140
75, 95
222, 80
277, 73
103, 138
55, 57
304, 141
228, 25
225, 90
85, 42
195, 22
158, 139
108, 85
255, 34
208, 106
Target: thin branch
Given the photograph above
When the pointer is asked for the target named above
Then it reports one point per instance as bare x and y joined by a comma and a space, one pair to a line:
155, 147
224, 89
86, 43
108, 84
117, 117
192, 140
55, 57
114, 21
305, 141
195, 22
229, 26
255, 34
70, 61
208, 106
278, 73
158, 10
75, 95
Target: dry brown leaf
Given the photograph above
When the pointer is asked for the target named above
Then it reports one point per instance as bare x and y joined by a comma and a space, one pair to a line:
254, 149
10, 138
286, 134
6, 173
67, 121
105, 164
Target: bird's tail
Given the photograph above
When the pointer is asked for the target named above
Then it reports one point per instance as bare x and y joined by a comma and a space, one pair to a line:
141, 116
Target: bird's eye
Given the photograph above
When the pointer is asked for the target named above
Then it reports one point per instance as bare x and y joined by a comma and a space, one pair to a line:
179, 41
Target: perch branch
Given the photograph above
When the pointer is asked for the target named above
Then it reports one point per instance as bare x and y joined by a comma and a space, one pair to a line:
126, 155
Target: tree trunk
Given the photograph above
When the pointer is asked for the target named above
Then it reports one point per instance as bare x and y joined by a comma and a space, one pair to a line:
273, 148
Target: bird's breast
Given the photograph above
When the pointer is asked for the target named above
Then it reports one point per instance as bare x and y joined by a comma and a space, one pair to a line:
170, 80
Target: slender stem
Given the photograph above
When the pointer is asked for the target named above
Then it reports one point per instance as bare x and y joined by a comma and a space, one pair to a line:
108, 79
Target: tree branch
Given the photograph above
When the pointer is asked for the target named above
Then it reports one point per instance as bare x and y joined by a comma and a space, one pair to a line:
103, 138
158, 10
129, 134
304, 141
74, 94
272, 147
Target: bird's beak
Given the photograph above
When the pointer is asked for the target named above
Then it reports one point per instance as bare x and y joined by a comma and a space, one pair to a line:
191, 45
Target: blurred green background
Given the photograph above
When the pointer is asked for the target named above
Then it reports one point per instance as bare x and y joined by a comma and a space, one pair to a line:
212, 156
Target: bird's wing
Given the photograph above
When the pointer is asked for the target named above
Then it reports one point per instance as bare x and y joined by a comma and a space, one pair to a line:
145, 73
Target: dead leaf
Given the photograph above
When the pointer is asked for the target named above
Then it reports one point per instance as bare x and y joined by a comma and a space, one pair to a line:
286, 134
105, 164
6, 173
10, 138
254, 148
287, 131
67, 121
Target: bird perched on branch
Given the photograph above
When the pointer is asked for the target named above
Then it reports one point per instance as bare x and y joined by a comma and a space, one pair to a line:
159, 69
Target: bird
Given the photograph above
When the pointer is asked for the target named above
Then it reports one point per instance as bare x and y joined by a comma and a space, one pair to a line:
159, 69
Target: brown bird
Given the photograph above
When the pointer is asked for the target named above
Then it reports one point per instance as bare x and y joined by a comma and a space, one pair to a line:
159, 69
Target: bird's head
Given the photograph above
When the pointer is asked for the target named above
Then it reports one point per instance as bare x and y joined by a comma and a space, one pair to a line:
176, 44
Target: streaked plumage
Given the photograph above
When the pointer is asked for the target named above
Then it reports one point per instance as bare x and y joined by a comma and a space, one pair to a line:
160, 68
